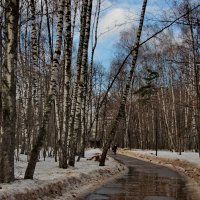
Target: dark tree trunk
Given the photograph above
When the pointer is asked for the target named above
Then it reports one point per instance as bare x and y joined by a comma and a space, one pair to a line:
7, 146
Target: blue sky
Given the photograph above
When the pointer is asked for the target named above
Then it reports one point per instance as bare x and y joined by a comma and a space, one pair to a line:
120, 15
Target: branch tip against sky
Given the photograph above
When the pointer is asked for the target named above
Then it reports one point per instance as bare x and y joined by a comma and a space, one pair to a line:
118, 16
141, 43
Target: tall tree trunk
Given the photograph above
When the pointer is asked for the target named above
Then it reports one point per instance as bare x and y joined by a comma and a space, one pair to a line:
94, 45
76, 2
49, 32
50, 99
40, 32
121, 110
1, 72
28, 93
196, 79
80, 101
78, 64
67, 79
9, 92
166, 120
34, 51
72, 137
174, 128
33, 83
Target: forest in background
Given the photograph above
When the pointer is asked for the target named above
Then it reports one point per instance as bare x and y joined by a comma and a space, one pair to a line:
55, 97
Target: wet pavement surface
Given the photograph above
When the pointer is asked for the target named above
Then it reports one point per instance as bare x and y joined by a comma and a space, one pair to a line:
144, 181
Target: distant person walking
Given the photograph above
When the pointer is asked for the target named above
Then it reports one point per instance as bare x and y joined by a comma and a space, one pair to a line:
114, 148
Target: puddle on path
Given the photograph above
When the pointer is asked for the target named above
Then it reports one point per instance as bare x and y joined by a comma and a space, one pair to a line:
143, 185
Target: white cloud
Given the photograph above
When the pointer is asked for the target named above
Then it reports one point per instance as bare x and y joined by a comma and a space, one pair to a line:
114, 21
115, 17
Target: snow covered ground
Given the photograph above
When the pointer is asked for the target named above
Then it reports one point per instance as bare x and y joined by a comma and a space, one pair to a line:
192, 157
51, 182
172, 159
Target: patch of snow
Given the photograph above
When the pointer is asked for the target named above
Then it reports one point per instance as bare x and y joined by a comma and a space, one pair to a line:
49, 178
189, 156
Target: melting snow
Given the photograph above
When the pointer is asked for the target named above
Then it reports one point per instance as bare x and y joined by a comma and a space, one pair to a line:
49, 178
192, 157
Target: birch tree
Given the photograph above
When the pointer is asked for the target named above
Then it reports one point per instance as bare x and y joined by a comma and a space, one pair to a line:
7, 143
121, 111
50, 98
75, 118
1, 68
67, 79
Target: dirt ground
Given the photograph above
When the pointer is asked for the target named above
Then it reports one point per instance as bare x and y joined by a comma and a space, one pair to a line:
190, 171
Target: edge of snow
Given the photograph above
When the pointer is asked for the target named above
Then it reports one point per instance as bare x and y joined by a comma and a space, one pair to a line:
76, 185
188, 169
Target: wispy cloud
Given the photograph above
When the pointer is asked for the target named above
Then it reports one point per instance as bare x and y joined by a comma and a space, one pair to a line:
120, 15
116, 20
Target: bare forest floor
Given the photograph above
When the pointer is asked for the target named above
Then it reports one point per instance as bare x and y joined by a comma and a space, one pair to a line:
188, 165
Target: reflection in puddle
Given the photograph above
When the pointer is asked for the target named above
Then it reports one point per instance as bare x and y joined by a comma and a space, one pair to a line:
140, 185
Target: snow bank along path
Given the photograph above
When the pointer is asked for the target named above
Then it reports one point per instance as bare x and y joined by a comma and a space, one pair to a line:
187, 164
51, 182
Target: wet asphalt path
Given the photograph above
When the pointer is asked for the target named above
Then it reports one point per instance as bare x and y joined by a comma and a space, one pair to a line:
144, 181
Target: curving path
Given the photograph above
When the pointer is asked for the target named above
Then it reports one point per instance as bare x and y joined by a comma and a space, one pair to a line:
144, 181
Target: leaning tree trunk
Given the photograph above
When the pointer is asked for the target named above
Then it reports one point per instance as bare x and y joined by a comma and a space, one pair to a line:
50, 99
121, 111
9, 92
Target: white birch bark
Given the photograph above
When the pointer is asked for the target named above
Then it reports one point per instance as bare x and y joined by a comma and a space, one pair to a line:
9, 92
121, 110
50, 99
67, 80
75, 103
166, 118
34, 59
